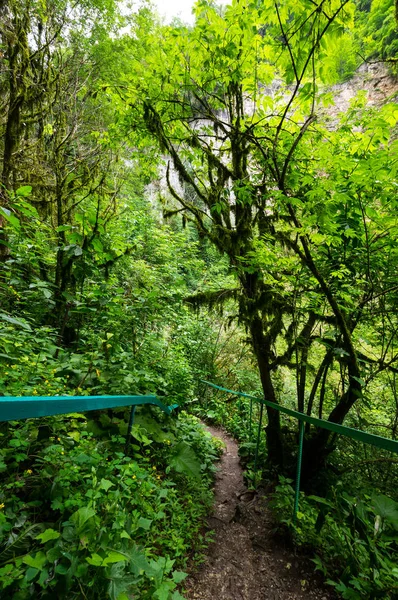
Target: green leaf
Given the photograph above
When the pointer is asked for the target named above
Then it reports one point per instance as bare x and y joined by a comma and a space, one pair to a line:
47, 535
31, 573
61, 569
179, 576
11, 218
54, 554
185, 461
320, 500
21, 544
144, 523
95, 559
43, 577
120, 581
15, 321
75, 435
82, 515
114, 557
163, 592
37, 562
97, 245
118, 587
138, 562
386, 508
106, 484
25, 190
26, 209
139, 434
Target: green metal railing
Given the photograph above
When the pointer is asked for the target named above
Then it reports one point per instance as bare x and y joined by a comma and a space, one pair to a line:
355, 434
16, 408
27, 407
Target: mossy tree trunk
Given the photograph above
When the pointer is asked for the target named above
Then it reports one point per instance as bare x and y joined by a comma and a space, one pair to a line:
233, 105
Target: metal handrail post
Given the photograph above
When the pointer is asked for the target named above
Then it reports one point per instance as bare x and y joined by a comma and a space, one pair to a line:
129, 429
258, 443
298, 474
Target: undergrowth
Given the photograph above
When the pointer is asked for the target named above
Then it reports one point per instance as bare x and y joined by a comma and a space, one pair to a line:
352, 534
79, 518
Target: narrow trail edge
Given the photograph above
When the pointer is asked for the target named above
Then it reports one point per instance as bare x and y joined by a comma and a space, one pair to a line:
245, 561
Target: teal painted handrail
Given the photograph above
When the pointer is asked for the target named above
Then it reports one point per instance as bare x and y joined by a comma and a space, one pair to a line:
29, 407
15, 408
355, 434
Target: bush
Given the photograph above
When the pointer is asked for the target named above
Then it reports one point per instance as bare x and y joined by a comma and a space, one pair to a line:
354, 536
79, 517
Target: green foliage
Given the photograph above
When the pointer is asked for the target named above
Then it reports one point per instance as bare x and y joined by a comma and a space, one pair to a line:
297, 201
355, 537
185, 461
377, 31
342, 59
78, 514
288, 227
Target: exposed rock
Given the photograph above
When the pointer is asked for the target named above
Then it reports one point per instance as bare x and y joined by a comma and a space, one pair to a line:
375, 79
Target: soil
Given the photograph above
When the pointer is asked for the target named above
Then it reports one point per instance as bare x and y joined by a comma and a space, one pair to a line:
247, 560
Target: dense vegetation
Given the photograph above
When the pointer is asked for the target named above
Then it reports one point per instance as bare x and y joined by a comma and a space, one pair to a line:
147, 170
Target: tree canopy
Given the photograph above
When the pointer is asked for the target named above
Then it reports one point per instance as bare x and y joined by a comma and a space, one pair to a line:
302, 205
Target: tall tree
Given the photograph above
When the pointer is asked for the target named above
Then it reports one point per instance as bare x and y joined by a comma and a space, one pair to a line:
235, 103
32, 34
55, 132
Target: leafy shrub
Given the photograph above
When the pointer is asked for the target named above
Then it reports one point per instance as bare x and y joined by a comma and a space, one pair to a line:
355, 537
80, 517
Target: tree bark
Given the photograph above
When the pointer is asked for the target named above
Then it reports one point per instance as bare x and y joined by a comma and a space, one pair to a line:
273, 429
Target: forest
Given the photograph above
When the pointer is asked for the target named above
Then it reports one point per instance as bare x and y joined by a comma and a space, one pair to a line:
188, 203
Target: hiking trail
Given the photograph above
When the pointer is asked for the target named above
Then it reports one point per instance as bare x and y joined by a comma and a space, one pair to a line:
247, 561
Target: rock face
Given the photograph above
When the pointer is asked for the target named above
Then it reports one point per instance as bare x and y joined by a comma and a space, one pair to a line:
375, 79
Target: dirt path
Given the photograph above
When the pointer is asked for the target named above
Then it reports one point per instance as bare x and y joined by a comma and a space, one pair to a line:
246, 562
